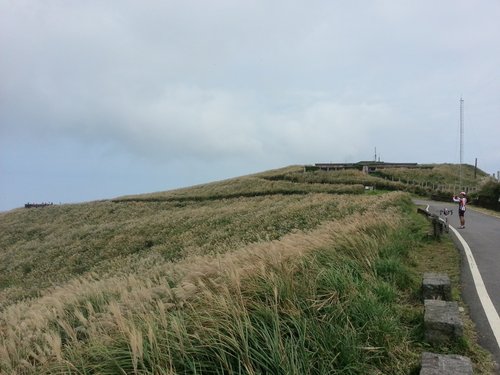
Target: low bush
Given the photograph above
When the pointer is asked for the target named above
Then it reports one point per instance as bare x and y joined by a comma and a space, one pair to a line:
489, 196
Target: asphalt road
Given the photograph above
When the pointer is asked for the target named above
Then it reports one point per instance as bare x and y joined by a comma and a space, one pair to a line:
482, 235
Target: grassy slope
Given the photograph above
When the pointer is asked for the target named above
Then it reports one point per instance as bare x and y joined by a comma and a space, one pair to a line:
439, 174
265, 273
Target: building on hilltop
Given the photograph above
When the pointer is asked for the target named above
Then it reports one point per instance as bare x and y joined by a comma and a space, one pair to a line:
365, 166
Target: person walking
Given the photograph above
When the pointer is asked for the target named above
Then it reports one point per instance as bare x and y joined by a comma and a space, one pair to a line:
462, 201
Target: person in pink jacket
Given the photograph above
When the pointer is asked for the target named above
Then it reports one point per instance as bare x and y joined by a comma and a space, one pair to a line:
462, 201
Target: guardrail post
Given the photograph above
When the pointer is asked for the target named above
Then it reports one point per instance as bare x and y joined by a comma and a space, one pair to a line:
437, 227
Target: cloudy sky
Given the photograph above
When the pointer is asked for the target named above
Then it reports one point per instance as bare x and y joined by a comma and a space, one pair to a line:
101, 98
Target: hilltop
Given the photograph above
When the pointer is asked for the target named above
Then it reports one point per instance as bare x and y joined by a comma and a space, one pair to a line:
285, 271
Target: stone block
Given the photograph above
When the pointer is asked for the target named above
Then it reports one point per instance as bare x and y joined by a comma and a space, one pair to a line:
436, 286
438, 364
442, 322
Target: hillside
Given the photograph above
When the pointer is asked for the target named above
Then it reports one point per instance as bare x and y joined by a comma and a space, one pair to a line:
280, 272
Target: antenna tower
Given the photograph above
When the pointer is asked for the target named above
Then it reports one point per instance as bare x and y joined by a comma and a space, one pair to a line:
461, 141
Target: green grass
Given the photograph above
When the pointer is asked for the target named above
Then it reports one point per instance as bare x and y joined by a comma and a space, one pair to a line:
438, 175
105, 236
282, 272
250, 186
443, 257
439, 180
326, 312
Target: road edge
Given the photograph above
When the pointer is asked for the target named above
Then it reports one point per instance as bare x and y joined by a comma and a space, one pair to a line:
488, 307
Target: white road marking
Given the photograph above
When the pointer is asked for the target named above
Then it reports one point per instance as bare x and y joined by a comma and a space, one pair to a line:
484, 297
489, 309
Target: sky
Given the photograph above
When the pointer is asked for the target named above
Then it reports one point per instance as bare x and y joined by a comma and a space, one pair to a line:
104, 98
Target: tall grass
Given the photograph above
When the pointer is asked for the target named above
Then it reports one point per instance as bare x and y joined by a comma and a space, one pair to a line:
439, 174
270, 273
55, 244
309, 302
423, 181
250, 186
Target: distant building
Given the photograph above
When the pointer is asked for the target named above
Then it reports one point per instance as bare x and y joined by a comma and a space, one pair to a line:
365, 166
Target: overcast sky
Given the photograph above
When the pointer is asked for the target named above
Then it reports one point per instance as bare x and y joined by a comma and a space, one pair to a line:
104, 98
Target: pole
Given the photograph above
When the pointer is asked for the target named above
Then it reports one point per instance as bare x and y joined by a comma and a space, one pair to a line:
461, 140
475, 169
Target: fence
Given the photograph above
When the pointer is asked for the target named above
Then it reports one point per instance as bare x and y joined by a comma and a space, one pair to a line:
37, 205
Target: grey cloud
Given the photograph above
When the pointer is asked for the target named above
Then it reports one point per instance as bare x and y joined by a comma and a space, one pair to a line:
258, 82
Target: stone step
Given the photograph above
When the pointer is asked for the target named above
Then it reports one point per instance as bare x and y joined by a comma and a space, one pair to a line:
442, 322
438, 364
436, 286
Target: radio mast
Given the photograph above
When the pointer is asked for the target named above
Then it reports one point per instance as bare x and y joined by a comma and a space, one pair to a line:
461, 141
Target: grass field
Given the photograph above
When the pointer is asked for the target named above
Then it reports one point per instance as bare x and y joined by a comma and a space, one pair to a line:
257, 275
444, 175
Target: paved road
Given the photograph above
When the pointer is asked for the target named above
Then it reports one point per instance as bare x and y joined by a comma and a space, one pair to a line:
482, 235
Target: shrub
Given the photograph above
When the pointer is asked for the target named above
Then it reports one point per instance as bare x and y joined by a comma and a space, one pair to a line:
489, 196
